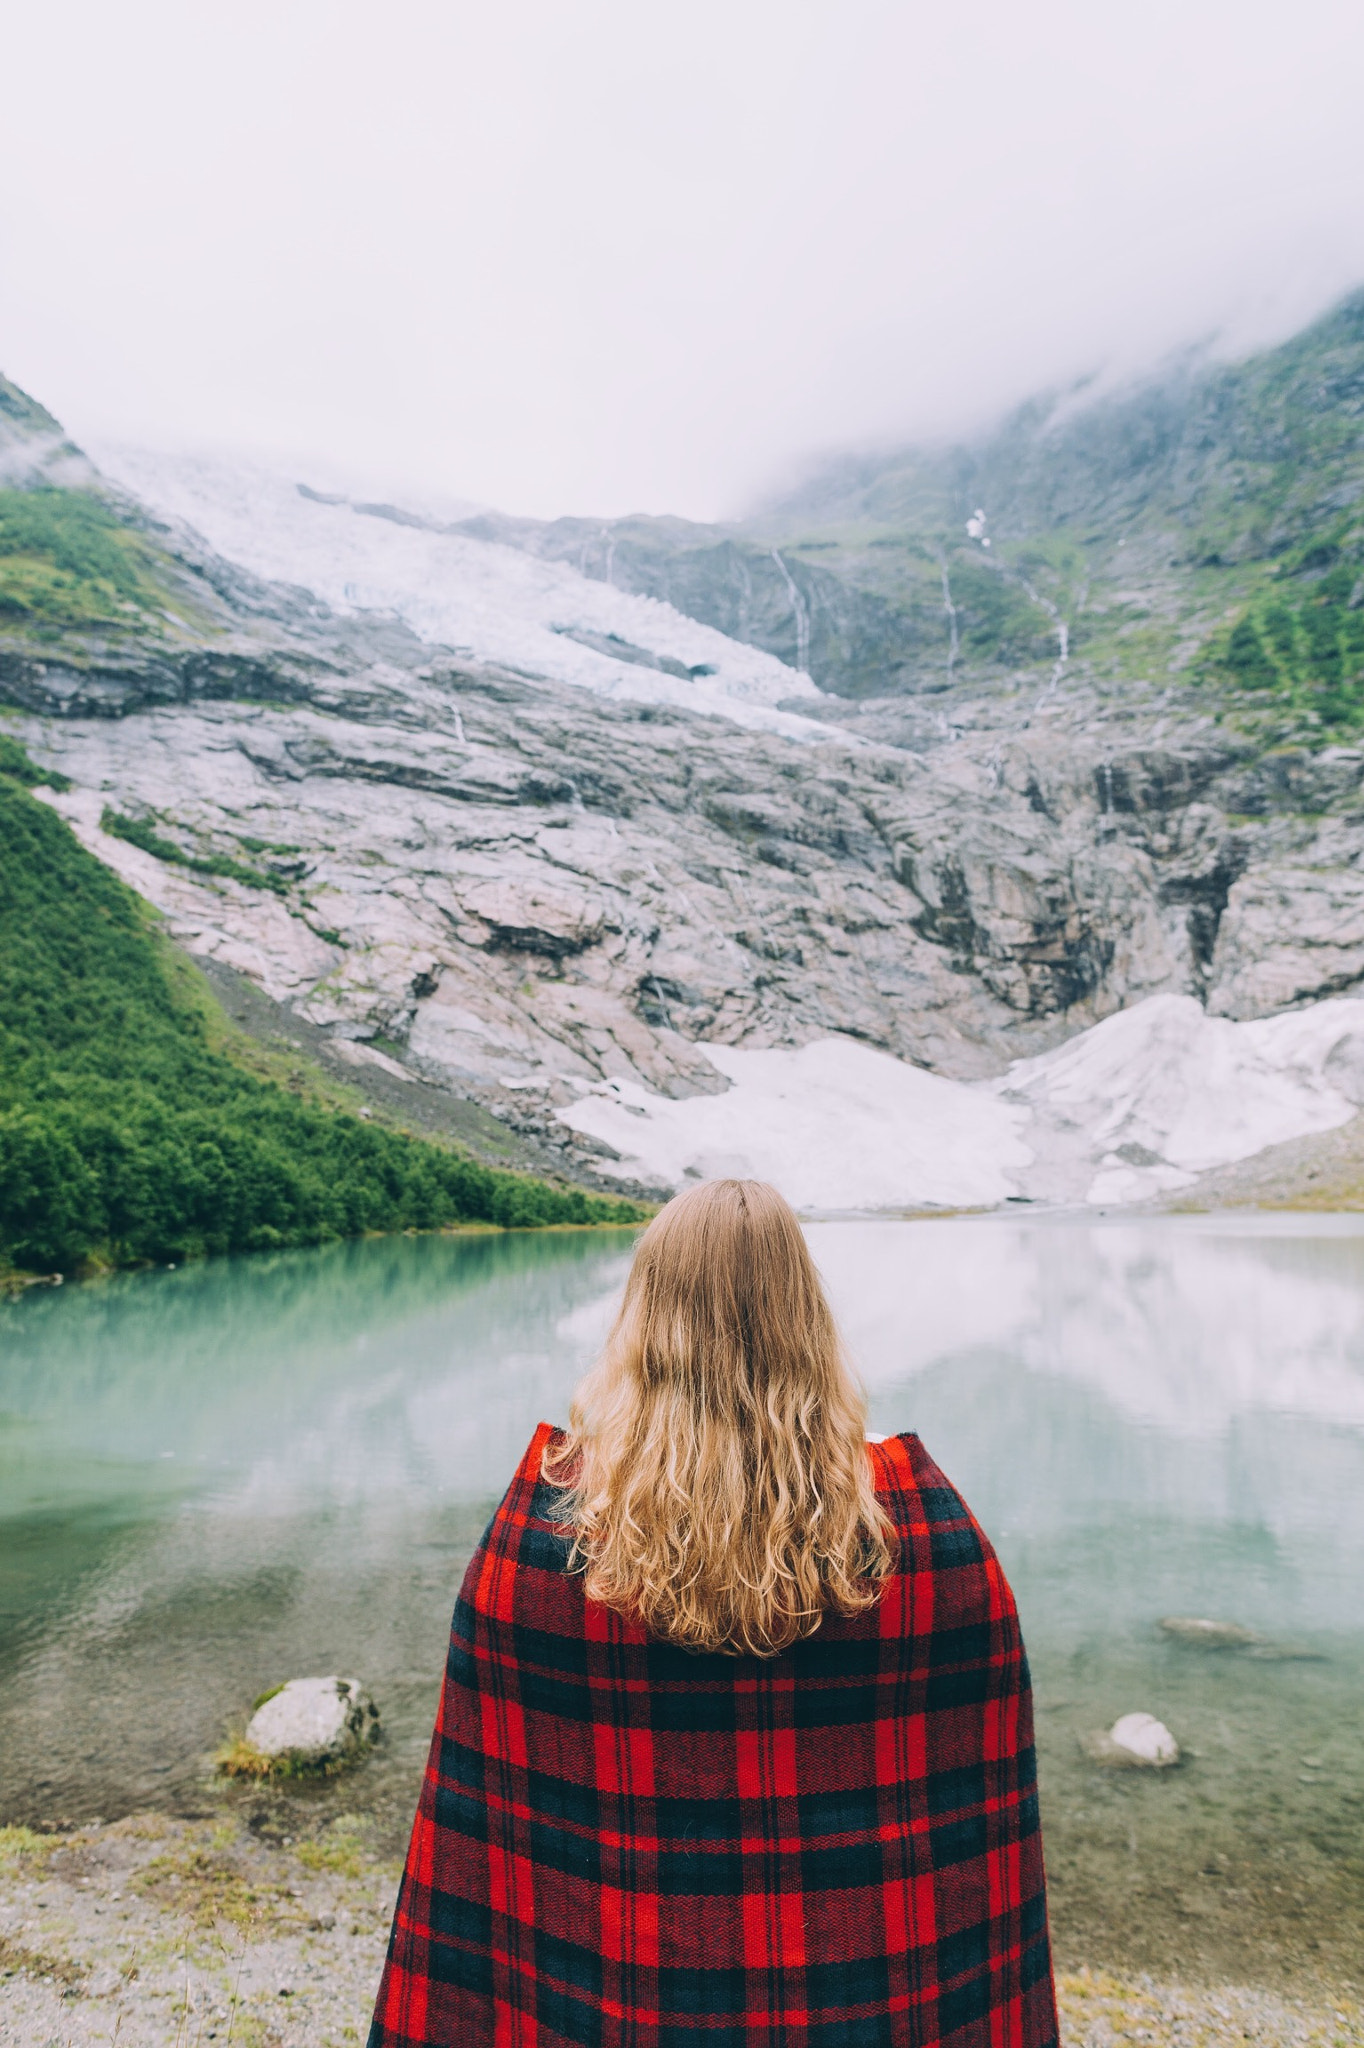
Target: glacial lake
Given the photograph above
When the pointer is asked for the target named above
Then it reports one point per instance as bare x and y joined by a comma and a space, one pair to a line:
218, 1477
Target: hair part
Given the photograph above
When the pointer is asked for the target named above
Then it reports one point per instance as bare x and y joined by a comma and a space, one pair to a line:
717, 1483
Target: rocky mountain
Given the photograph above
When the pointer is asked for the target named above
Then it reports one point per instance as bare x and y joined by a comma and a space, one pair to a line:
526, 813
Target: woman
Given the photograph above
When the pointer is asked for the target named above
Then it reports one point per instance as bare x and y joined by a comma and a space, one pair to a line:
735, 1743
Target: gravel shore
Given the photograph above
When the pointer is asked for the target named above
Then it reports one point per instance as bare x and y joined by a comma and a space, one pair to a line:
161, 1933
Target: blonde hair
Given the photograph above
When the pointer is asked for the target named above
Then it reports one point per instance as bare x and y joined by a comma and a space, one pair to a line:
716, 1477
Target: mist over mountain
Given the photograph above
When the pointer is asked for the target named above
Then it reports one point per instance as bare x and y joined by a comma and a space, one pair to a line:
1100, 515
945, 757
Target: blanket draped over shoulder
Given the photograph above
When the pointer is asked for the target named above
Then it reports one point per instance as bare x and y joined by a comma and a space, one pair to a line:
623, 1844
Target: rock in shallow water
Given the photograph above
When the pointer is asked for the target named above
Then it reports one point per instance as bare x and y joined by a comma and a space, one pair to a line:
1146, 1740
315, 1720
1138, 1740
1201, 1634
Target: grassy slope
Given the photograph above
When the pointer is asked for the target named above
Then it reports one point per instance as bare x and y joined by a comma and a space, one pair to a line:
68, 561
79, 571
125, 1135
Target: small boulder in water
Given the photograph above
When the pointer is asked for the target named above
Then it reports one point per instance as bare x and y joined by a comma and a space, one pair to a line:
313, 1722
1145, 1738
1200, 1634
1135, 1739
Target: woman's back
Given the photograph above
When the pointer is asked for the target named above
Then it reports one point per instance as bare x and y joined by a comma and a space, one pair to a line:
624, 1841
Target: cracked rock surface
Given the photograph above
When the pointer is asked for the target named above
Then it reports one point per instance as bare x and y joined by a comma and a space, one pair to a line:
516, 889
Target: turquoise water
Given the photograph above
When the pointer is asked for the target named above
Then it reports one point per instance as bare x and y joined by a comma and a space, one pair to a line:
218, 1477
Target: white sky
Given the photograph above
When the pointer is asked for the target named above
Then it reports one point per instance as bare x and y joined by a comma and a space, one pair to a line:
609, 255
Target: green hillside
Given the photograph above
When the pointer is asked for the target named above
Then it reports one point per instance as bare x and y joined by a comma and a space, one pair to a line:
1203, 533
126, 1135
66, 560
84, 573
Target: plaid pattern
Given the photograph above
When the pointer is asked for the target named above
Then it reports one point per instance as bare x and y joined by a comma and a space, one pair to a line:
622, 1844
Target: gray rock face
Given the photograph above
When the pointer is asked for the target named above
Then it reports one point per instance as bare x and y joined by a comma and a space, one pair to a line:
521, 888
314, 1720
850, 640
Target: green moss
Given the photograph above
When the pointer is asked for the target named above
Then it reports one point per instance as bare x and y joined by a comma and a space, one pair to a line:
240, 1759
127, 1136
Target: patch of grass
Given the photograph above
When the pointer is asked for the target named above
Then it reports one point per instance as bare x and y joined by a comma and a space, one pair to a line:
125, 1136
996, 620
16, 1842
206, 1886
140, 833
68, 560
15, 764
36, 1963
338, 1851
239, 1758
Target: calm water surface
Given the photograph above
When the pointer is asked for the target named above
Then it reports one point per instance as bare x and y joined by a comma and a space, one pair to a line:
216, 1478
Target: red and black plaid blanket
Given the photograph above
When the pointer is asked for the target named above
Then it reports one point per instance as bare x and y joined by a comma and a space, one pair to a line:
622, 1844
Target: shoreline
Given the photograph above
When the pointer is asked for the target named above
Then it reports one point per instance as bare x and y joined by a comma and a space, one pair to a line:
160, 1932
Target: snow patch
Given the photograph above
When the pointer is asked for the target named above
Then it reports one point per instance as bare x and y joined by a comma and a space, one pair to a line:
1163, 1092
835, 1125
1134, 1107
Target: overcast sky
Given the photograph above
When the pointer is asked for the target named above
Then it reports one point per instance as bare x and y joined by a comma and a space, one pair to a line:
613, 255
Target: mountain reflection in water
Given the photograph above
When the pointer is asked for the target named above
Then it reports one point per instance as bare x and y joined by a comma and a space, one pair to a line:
215, 1478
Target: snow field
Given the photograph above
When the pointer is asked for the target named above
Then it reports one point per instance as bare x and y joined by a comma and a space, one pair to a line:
1133, 1107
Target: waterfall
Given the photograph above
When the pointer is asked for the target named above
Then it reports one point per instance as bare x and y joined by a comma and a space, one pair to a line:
1061, 628
954, 646
802, 616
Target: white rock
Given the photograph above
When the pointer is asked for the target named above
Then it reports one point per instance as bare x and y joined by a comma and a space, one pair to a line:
314, 1719
1145, 1738
1203, 1634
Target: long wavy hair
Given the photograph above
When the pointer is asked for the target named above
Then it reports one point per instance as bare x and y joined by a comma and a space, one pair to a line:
715, 1470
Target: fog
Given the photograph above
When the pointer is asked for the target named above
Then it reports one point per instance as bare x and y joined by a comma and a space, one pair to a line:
605, 257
